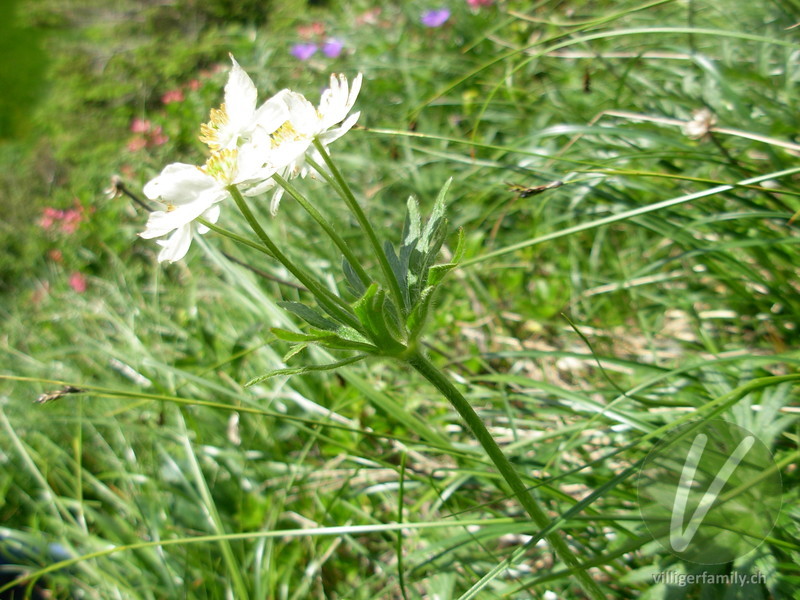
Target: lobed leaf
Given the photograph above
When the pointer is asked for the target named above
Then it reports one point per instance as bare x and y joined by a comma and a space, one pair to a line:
307, 369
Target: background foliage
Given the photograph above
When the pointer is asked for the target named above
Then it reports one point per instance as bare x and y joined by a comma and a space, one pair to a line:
681, 306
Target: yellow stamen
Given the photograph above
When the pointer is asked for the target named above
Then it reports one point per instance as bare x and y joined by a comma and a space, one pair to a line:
209, 132
221, 165
285, 133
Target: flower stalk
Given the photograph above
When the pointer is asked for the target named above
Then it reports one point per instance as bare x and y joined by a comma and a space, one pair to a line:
347, 195
326, 226
332, 303
428, 370
239, 239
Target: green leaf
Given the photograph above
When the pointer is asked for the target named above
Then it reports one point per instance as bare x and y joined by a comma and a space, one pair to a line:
437, 272
370, 311
336, 342
356, 285
296, 349
293, 336
309, 315
307, 369
419, 314
413, 225
327, 339
437, 216
392, 319
399, 268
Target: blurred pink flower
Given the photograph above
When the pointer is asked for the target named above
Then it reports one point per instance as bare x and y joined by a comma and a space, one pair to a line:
303, 51
137, 143
49, 217
172, 96
479, 3
70, 220
435, 18
332, 48
153, 136
194, 84
369, 18
55, 255
140, 126
211, 71
77, 281
157, 137
67, 220
313, 30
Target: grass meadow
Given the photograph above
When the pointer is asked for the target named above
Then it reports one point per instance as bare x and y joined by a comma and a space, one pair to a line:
626, 176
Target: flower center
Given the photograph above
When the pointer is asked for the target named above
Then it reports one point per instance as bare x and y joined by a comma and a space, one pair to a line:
221, 165
285, 133
209, 132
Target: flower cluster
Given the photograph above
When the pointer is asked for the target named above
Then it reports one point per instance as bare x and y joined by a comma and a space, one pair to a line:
147, 136
331, 48
248, 145
66, 221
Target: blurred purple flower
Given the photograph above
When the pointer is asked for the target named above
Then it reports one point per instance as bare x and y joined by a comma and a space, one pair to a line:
332, 48
435, 18
303, 51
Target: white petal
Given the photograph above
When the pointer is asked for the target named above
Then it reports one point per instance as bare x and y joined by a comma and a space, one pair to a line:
211, 215
333, 104
354, 90
336, 101
276, 201
253, 160
259, 188
240, 98
271, 115
289, 152
302, 114
176, 247
334, 134
178, 183
161, 222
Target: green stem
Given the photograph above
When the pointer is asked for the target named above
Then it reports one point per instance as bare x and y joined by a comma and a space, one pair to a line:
234, 236
429, 371
332, 303
337, 239
355, 208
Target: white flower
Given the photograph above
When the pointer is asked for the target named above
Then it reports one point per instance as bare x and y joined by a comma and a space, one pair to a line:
238, 135
188, 193
234, 121
293, 140
249, 145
